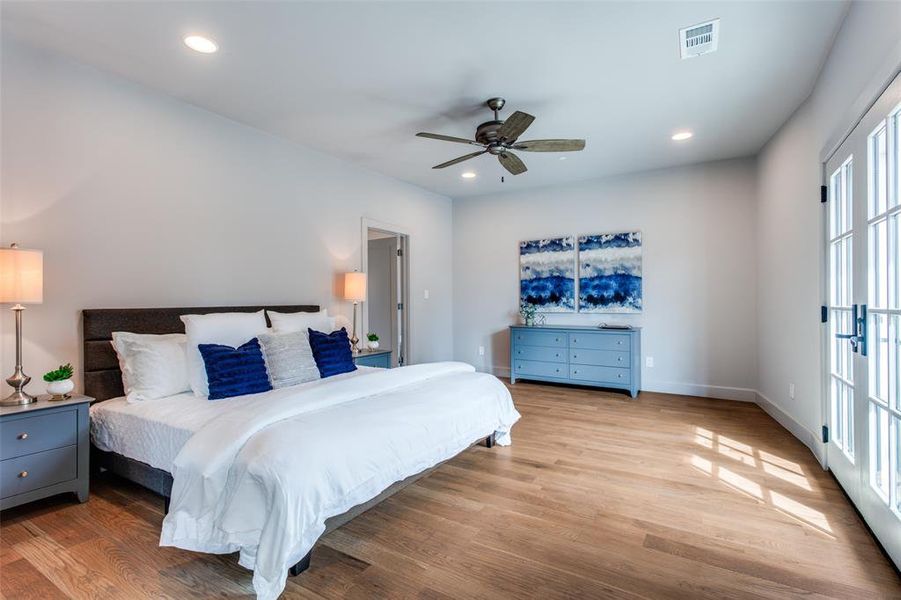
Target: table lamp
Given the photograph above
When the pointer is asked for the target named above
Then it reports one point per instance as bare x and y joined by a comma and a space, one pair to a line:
21, 282
355, 290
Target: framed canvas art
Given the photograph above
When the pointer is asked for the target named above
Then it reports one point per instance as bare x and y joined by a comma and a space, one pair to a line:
547, 274
610, 273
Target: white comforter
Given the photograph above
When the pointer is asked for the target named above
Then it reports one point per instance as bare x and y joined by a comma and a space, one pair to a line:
263, 478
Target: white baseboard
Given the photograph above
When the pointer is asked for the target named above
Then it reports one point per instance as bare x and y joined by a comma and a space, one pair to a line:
717, 392
806, 436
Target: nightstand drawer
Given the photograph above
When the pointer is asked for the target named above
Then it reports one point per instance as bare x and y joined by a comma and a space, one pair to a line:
381, 360
37, 433
27, 473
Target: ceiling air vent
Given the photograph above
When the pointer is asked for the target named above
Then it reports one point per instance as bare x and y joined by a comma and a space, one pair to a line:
699, 39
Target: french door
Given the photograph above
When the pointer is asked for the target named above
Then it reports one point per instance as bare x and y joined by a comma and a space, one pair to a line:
864, 317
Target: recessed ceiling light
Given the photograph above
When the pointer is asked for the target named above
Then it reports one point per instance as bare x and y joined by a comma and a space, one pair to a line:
682, 136
468, 175
201, 44
562, 158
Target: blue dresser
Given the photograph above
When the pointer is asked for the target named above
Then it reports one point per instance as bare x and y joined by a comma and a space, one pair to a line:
581, 355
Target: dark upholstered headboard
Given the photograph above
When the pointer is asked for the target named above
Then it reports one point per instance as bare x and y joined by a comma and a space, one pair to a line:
102, 377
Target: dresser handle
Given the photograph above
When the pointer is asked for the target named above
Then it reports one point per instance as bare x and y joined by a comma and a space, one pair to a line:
556, 339
575, 356
23, 474
620, 375
619, 358
22, 436
557, 370
556, 355
575, 372
620, 342
575, 341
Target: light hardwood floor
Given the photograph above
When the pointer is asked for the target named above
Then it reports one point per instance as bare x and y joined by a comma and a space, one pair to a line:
600, 496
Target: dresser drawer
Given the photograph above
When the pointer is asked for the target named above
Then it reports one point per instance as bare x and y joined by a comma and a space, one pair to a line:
600, 358
601, 341
600, 374
541, 369
34, 471
544, 353
539, 338
381, 360
37, 433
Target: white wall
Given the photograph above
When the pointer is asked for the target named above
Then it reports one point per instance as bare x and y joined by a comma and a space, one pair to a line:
867, 51
140, 200
699, 275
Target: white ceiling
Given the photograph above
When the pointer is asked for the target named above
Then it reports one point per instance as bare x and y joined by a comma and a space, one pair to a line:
358, 80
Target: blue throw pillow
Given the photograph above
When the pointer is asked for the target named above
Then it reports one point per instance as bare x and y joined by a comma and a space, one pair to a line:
332, 352
235, 371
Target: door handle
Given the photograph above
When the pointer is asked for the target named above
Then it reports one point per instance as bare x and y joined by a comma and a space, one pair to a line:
852, 337
861, 325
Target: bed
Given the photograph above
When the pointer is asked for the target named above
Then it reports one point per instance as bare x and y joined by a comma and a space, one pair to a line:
267, 474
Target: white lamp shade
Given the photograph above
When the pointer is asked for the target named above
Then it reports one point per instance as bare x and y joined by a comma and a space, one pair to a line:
355, 286
21, 276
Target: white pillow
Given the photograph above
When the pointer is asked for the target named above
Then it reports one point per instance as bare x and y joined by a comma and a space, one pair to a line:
153, 366
230, 329
301, 321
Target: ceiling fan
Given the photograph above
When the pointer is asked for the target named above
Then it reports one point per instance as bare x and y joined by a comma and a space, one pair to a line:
498, 138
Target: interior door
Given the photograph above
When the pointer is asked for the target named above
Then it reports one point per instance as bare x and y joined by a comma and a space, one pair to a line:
864, 317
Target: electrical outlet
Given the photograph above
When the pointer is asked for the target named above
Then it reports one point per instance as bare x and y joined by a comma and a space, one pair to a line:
649, 361
481, 350
791, 391
425, 294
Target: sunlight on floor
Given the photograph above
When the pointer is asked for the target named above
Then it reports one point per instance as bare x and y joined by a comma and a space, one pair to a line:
768, 465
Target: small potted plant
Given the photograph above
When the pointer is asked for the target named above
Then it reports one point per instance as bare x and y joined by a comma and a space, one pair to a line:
59, 382
527, 311
372, 341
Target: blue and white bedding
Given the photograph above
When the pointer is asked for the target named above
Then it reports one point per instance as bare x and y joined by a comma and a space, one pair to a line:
263, 476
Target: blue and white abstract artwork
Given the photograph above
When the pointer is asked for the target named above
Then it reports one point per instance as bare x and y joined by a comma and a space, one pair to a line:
547, 274
610, 272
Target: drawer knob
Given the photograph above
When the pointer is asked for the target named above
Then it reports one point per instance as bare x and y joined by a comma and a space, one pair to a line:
620, 375
575, 372
620, 342
575, 340
23, 474
557, 370
556, 339
619, 358
556, 355
22, 436
575, 356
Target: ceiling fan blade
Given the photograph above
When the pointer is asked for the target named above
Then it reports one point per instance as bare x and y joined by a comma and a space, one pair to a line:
446, 138
459, 160
515, 125
512, 163
550, 145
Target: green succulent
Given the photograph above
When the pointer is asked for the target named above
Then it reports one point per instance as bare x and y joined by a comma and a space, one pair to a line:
372, 337
63, 372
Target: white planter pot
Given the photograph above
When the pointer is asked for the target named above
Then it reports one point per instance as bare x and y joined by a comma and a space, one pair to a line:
373, 345
60, 388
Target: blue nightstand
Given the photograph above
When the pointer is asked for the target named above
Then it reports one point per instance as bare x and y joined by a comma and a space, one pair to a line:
373, 358
44, 450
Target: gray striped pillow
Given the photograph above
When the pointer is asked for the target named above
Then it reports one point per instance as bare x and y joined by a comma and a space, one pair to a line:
288, 358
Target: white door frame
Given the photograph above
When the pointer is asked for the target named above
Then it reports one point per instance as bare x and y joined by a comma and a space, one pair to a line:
856, 477
367, 223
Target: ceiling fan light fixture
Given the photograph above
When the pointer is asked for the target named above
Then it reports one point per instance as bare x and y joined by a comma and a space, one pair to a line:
201, 44
681, 136
468, 175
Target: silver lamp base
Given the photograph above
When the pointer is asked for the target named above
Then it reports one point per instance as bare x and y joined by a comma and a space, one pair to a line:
18, 398
18, 379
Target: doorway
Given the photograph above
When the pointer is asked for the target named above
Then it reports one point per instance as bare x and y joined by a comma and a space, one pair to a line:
863, 316
385, 261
